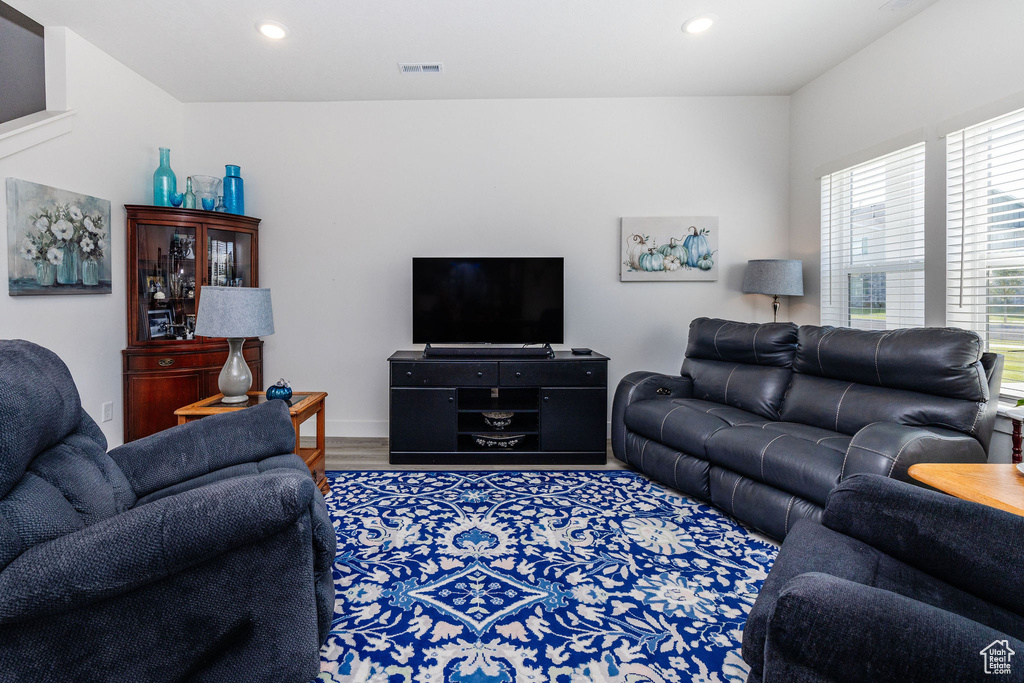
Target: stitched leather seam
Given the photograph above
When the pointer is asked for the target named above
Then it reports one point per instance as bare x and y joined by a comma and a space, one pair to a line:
661, 433
629, 400
826, 438
785, 528
643, 451
754, 345
977, 416
842, 471
877, 346
727, 380
715, 340
887, 456
897, 458
675, 470
765, 449
732, 499
840, 405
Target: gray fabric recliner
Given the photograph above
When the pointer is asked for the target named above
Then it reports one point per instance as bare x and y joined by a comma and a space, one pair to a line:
766, 419
201, 553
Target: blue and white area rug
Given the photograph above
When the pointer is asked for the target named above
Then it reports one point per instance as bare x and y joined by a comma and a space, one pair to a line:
531, 577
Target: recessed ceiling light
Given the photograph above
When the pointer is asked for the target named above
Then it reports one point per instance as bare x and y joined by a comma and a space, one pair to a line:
272, 29
699, 24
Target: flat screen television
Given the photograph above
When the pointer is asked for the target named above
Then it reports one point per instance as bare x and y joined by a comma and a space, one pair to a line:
497, 300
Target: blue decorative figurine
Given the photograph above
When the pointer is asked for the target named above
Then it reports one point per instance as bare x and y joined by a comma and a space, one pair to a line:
281, 390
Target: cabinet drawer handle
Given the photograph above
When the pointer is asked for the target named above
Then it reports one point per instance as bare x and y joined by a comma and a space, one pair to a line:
589, 373
519, 374
165, 362
409, 373
546, 398
451, 399
479, 374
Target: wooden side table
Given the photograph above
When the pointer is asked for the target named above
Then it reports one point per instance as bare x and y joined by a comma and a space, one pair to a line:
996, 485
301, 407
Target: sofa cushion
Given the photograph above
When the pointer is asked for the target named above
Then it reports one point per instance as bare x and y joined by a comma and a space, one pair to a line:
744, 365
785, 456
751, 388
287, 461
931, 360
846, 407
766, 344
684, 424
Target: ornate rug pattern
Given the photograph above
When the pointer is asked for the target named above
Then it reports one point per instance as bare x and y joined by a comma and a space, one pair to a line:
530, 577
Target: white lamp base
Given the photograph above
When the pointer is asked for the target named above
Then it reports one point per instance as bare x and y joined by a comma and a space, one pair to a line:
235, 378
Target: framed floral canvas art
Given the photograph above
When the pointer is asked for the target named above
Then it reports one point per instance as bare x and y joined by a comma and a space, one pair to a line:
58, 242
669, 249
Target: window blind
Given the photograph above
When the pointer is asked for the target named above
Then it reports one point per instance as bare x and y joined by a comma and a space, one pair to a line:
985, 238
872, 243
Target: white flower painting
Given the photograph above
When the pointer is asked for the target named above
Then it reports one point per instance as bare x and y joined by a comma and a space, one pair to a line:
669, 249
56, 241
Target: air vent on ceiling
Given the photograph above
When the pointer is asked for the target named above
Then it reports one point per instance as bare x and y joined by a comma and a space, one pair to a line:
421, 68
896, 5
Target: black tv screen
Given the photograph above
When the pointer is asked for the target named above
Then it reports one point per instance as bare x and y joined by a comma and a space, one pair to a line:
487, 300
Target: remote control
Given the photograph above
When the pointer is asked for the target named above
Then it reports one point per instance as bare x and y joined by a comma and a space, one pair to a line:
582, 351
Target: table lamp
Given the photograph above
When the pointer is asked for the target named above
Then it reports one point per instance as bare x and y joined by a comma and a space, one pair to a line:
775, 277
234, 313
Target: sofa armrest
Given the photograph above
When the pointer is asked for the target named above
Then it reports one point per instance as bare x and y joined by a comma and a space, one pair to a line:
150, 542
203, 446
889, 449
968, 545
640, 386
824, 628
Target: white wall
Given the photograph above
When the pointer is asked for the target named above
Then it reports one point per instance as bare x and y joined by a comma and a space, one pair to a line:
349, 192
958, 60
111, 152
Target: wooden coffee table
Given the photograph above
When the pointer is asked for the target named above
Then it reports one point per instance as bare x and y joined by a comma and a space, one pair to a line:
996, 485
301, 407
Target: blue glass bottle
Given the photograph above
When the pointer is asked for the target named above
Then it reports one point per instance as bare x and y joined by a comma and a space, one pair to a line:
165, 183
234, 193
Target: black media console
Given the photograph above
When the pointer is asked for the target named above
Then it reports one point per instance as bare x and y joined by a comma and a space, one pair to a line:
559, 408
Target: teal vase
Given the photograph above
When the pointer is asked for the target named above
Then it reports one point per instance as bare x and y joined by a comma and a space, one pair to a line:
90, 272
165, 184
67, 273
46, 273
234, 191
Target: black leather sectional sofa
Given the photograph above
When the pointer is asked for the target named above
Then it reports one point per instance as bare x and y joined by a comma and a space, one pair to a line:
766, 419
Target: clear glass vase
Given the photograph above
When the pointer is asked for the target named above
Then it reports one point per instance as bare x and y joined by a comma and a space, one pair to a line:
165, 183
90, 272
46, 273
67, 272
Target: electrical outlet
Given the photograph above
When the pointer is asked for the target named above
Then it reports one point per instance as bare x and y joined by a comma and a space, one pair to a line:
108, 411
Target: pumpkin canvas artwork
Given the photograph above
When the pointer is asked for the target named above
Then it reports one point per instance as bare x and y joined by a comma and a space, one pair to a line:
669, 249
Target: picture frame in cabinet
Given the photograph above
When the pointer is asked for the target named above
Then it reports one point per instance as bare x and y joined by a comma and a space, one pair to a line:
159, 323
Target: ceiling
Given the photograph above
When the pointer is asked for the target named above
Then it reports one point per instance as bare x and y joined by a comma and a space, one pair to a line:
210, 51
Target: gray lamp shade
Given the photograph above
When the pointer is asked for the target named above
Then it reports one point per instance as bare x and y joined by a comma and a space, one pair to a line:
234, 312
782, 277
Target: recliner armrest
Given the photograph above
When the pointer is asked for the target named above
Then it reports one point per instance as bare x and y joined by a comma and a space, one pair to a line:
200, 447
150, 542
889, 449
824, 628
641, 386
968, 545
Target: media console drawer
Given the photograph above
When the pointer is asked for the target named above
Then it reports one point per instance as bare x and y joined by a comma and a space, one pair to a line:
554, 374
428, 373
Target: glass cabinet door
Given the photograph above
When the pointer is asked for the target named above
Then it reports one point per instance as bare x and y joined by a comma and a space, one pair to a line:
166, 282
229, 258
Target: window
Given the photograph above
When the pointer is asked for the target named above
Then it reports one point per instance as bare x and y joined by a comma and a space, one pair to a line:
872, 243
22, 65
985, 238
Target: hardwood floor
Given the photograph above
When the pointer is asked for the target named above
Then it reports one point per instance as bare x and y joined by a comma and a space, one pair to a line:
346, 453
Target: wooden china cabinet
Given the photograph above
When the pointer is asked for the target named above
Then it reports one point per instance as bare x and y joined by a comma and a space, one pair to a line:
172, 253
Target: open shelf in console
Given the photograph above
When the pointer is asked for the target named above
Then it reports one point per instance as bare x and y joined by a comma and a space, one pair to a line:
481, 399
